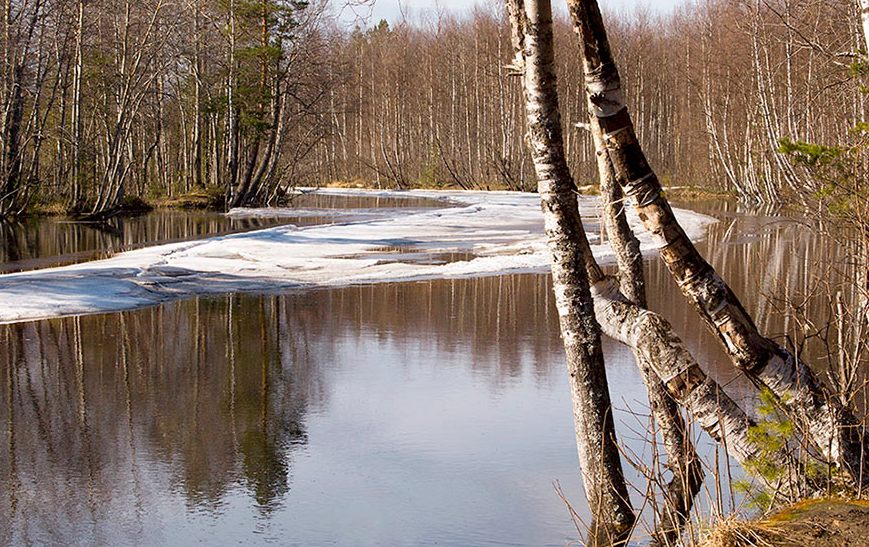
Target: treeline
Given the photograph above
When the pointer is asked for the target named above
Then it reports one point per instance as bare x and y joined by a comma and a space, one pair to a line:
715, 87
106, 100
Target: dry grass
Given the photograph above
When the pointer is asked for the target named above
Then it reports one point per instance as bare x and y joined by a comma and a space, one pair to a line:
816, 523
734, 532
53, 208
354, 183
210, 199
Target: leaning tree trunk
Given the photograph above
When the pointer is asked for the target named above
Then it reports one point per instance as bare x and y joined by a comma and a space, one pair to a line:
682, 458
657, 346
652, 338
605, 486
832, 427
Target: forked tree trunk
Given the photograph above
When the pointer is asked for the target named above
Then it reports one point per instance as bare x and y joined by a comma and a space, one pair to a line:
682, 458
605, 487
833, 428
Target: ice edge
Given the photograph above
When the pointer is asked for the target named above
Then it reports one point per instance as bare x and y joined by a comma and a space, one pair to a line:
502, 230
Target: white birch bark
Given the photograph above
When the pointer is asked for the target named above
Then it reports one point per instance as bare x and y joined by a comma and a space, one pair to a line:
600, 461
832, 427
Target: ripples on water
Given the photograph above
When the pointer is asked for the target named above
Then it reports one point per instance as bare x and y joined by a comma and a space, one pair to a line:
432, 412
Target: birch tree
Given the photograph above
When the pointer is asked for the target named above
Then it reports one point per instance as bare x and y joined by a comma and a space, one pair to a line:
669, 370
832, 427
605, 486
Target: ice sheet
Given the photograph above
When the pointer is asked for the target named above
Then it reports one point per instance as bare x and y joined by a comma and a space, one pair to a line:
491, 233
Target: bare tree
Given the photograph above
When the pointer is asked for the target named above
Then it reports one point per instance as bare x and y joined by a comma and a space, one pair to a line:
600, 462
832, 427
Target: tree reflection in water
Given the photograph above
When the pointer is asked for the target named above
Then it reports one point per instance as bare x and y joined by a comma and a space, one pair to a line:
193, 420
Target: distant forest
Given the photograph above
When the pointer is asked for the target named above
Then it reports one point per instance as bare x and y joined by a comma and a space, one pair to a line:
107, 101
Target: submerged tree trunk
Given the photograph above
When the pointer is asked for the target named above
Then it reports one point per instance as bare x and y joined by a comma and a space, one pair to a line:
605, 486
833, 428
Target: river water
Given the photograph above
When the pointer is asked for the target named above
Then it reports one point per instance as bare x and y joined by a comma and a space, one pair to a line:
433, 412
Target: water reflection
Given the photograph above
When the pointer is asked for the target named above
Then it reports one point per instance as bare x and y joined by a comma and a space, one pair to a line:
42, 242
387, 414
211, 398
774, 262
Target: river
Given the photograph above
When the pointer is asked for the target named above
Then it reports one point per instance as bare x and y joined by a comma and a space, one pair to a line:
433, 412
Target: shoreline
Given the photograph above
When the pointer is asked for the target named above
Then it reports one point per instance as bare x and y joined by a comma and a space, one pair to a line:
479, 234
211, 201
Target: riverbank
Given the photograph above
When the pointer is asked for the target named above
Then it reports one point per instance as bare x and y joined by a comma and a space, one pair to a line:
197, 200
213, 199
817, 522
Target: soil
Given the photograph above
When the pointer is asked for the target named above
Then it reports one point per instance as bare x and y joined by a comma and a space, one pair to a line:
825, 522
814, 523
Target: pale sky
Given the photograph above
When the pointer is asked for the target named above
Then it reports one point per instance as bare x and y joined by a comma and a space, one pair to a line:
389, 9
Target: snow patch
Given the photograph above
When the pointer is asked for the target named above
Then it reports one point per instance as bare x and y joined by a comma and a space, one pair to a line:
494, 233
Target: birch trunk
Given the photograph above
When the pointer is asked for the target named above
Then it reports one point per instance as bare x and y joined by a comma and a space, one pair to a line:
682, 458
832, 427
77, 194
602, 474
198, 181
231, 112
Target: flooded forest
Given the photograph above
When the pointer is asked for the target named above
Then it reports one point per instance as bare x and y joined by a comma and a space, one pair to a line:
375, 272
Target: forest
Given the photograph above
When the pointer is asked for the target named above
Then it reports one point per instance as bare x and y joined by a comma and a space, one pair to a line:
106, 102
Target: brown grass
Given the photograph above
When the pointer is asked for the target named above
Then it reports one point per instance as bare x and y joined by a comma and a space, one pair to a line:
733, 532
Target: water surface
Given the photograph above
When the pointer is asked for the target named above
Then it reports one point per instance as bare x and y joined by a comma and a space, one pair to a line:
418, 413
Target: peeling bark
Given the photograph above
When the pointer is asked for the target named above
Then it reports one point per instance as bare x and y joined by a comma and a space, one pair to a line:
655, 342
605, 486
832, 427
682, 458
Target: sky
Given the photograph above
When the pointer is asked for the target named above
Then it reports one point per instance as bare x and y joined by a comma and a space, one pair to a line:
390, 10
